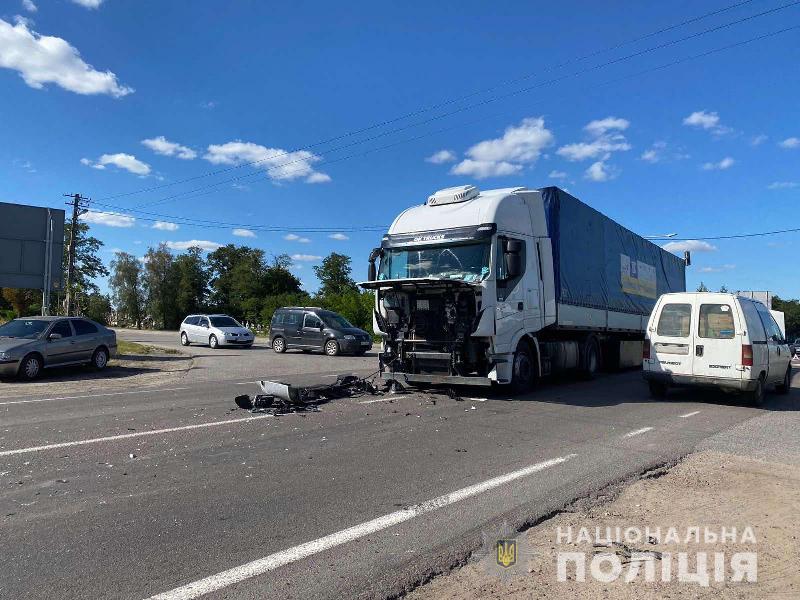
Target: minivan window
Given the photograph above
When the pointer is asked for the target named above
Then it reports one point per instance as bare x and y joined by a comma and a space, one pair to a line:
195, 320
675, 320
277, 318
773, 330
312, 321
291, 318
83, 327
336, 321
716, 322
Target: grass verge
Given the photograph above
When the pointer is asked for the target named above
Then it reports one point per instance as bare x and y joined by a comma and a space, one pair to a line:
132, 348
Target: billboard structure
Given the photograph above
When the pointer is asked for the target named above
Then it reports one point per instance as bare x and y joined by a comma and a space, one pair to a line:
31, 247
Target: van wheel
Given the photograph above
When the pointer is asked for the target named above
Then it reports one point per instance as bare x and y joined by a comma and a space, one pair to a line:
331, 347
30, 367
279, 345
658, 390
213, 342
100, 359
591, 359
184, 339
523, 370
784, 387
756, 397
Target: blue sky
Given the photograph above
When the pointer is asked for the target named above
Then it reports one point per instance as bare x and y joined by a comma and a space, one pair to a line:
111, 97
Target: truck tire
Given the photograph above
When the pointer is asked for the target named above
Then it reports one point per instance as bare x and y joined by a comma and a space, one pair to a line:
784, 387
590, 361
524, 373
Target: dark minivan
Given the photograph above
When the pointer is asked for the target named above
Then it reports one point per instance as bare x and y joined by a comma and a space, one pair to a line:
309, 328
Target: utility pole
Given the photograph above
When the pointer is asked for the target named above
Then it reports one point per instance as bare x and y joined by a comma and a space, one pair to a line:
79, 204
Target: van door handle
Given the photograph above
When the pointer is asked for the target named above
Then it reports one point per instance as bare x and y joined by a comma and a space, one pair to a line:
698, 351
520, 306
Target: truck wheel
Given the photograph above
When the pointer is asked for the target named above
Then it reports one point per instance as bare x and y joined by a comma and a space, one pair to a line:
591, 359
756, 397
523, 370
658, 390
787, 382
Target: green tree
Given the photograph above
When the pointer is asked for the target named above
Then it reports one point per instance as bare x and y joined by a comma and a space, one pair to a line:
160, 287
88, 265
791, 313
354, 306
274, 302
236, 279
334, 275
126, 288
702, 287
23, 301
192, 283
97, 307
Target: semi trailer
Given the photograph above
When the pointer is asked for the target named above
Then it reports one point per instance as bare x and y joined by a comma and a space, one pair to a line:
506, 286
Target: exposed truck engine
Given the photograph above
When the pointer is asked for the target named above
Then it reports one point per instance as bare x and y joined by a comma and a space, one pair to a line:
505, 286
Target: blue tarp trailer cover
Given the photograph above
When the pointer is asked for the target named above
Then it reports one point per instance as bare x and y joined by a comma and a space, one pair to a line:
599, 264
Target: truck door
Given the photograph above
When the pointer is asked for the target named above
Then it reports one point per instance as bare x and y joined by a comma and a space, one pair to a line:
533, 289
718, 350
511, 292
672, 347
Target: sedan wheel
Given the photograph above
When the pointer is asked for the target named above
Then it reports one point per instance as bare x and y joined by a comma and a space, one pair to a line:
100, 359
184, 339
331, 347
213, 342
30, 368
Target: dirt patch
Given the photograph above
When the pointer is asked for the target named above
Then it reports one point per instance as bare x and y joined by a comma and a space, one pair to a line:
707, 490
157, 368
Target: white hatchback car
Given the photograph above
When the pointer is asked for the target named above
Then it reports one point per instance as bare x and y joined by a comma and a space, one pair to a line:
716, 340
216, 331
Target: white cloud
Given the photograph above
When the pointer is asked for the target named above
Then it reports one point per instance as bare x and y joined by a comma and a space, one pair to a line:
790, 143
111, 219
160, 145
165, 226
600, 127
600, 171
606, 138
306, 257
557, 175
204, 244
520, 145
655, 153
442, 156
42, 59
783, 185
29, 6
89, 3
280, 165
719, 269
757, 140
338, 236
690, 245
244, 233
121, 160
725, 163
291, 237
706, 120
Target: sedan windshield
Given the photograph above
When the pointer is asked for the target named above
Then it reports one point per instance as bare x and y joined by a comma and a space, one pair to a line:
465, 262
224, 322
336, 321
23, 328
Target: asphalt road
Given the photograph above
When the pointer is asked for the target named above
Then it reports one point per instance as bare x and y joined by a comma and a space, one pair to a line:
173, 492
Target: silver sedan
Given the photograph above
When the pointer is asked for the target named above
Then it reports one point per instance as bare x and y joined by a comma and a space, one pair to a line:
30, 344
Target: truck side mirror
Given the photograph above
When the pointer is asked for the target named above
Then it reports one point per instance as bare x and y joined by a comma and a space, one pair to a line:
512, 246
372, 272
513, 265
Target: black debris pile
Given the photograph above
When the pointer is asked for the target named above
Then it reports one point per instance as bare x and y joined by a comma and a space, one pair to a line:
281, 398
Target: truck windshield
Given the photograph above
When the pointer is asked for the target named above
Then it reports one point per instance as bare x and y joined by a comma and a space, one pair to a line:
465, 262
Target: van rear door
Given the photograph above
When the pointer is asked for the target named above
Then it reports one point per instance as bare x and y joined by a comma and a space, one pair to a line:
717, 347
671, 338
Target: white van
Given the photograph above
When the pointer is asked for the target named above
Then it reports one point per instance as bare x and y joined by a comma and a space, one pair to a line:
716, 340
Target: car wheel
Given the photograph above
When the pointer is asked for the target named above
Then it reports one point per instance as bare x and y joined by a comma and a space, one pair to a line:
213, 343
523, 370
784, 387
184, 339
658, 390
331, 347
279, 345
30, 367
756, 397
100, 359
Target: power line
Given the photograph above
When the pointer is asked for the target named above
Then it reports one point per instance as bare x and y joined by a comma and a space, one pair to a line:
489, 100
729, 237
442, 104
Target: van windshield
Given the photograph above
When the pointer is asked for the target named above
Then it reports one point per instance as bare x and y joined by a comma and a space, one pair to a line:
224, 322
465, 262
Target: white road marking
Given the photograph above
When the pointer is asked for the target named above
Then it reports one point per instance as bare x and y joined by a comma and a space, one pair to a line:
290, 555
93, 395
377, 400
691, 414
125, 436
637, 432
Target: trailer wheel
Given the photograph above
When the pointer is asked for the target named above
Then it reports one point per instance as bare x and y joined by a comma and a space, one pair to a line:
591, 358
524, 372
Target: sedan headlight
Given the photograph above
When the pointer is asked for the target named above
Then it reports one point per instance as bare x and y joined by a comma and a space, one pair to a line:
349, 337
5, 356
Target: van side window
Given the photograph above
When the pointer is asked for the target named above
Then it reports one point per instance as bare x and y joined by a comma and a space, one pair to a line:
716, 322
675, 320
277, 318
772, 328
754, 325
291, 318
312, 321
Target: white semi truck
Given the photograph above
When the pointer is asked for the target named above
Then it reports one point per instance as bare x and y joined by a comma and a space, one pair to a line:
505, 286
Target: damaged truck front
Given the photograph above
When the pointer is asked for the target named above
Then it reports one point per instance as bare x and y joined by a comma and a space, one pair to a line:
471, 288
